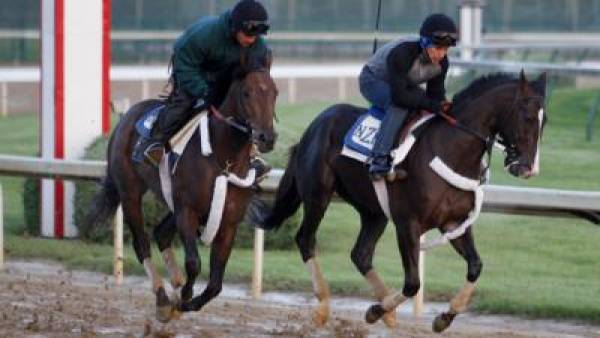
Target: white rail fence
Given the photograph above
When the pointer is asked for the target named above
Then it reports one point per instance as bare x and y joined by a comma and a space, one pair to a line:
503, 199
345, 73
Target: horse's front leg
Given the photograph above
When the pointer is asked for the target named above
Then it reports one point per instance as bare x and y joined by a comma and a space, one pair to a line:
465, 246
163, 236
407, 236
187, 223
219, 255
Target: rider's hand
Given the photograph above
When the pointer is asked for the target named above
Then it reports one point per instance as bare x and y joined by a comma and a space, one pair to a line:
200, 103
445, 107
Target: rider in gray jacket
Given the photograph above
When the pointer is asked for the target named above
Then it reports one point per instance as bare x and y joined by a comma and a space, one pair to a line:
392, 80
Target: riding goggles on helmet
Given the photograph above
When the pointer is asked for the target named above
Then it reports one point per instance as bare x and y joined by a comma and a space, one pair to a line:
252, 27
444, 38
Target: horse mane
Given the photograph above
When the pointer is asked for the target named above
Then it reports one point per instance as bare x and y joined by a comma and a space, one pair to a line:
479, 86
251, 64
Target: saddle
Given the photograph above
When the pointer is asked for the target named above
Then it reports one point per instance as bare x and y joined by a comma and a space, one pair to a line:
177, 143
360, 138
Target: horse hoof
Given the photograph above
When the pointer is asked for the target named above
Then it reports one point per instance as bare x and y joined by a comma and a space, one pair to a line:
187, 293
389, 318
176, 314
441, 322
374, 313
320, 317
164, 314
184, 306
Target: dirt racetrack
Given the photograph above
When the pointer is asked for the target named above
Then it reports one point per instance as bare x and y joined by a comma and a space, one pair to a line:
45, 300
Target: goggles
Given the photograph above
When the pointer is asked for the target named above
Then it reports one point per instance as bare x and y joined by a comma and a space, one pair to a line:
444, 38
253, 28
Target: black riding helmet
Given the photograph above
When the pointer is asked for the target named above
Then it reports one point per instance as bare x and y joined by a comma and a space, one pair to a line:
440, 29
250, 17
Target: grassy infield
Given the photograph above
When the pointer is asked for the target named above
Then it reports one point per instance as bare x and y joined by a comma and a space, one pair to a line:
533, 266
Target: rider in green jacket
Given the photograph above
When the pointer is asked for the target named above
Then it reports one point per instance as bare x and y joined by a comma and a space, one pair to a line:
203, 58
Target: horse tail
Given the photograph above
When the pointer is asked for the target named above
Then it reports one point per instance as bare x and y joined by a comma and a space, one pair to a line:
287, 199
105, 202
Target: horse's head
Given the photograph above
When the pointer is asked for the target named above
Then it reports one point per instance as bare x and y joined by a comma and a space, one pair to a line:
254, 92
522, 127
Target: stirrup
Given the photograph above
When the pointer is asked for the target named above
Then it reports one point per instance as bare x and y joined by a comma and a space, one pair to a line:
379, 168
154, 154
396, 174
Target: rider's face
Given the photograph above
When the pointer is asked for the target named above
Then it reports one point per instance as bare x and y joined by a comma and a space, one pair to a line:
245, 40
437, 53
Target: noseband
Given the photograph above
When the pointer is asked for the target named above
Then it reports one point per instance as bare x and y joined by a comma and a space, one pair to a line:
239, 121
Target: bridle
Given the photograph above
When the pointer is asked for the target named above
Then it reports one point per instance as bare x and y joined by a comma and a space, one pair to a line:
509, 144
239, 121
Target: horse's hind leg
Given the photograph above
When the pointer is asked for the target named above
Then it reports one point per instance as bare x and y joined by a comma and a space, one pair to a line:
132, 212
371, 229
407, 236
465, 246
163, 234
314, 210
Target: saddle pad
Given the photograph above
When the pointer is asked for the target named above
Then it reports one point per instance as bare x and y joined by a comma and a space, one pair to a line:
144, 125
361, 137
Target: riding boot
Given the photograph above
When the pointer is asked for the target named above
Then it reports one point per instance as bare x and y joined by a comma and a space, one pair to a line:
173, 116
148, 149
381, 162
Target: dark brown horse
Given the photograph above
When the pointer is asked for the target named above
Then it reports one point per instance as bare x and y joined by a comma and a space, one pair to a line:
494, 105
250, 101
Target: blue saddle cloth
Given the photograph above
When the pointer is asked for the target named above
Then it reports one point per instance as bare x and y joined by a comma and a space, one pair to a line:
361, 137
144, 125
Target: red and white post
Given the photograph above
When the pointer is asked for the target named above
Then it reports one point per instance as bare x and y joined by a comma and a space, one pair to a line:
75, 100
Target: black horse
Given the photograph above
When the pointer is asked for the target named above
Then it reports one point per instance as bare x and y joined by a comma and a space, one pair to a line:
511, 108
249, 106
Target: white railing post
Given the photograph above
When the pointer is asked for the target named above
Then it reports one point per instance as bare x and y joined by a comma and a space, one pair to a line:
342, 89
292, 90
418, 302
1, 230
118, 246
259, 240
145, 89
4, 94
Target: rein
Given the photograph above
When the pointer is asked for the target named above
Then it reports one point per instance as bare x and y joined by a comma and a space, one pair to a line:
487, 141
230, 121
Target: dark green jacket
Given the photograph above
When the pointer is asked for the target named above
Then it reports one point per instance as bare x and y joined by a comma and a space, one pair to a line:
206, 50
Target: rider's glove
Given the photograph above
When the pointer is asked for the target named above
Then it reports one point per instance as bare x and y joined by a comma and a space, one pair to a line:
445, 107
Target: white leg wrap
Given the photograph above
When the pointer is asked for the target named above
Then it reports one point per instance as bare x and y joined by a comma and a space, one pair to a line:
155, 278
377, 284
174, 272
459, 303
319, 285
392, 301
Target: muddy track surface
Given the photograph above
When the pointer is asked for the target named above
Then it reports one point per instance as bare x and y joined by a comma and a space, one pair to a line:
41, 299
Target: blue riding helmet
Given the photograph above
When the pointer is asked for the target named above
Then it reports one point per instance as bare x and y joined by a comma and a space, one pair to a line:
438, 30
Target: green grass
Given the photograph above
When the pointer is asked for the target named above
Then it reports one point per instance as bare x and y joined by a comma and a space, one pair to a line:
533, 266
